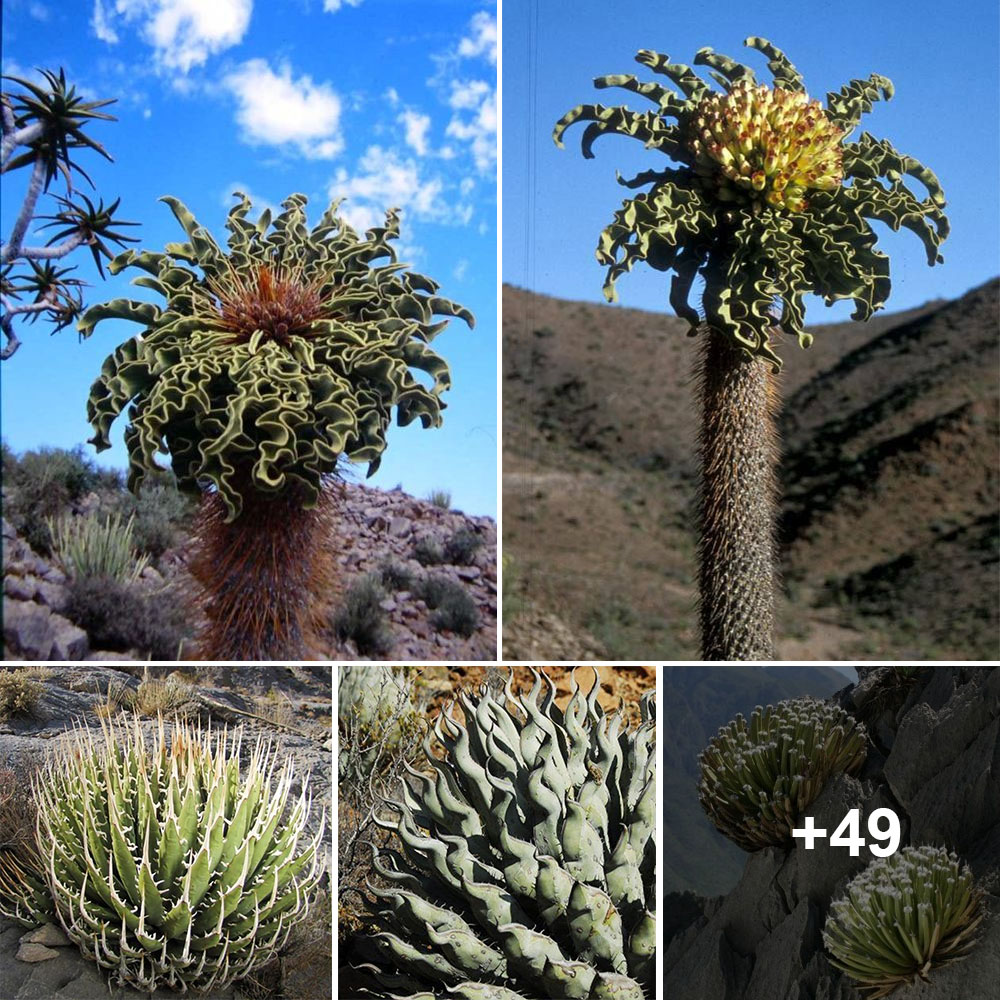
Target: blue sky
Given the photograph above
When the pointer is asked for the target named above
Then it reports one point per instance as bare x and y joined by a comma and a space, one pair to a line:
383, 102
945, 111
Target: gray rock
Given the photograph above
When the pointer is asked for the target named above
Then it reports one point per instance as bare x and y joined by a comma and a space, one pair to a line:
68, 642
48, 934
28, 952
27, 629
20, 588
52, 595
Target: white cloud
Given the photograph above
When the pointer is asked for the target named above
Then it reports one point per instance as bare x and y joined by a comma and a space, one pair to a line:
102, 25
482, 38
332, 6
460, 270
416, 126
275, 109
183, 33
384, 180
39, 11
475, 122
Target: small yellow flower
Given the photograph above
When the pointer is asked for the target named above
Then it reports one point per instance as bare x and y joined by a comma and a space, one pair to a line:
765, 146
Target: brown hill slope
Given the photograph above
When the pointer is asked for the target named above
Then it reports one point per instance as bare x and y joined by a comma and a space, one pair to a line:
890, 433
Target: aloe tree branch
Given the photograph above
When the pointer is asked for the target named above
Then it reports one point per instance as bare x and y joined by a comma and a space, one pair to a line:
67, 246
14, 137
12, 248
13, 342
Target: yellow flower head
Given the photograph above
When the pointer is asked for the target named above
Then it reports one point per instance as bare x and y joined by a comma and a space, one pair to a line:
766, 145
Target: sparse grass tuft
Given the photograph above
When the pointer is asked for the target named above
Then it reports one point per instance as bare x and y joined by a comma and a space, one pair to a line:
440, 498
88, 547
427, 552
461, 548
395, 576
453, 606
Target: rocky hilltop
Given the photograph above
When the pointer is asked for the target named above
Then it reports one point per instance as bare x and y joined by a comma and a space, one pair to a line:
389, 544
935, 760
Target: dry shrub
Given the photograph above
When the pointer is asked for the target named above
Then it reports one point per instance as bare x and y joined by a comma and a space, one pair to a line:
19, 693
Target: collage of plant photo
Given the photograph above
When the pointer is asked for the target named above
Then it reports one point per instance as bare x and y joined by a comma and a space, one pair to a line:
390, 444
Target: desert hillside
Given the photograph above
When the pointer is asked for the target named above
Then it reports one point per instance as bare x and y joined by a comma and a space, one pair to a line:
890, 470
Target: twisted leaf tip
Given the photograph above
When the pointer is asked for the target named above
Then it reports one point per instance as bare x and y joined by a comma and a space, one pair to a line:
768, 201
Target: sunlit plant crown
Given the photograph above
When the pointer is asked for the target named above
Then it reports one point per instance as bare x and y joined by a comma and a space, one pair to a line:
170, 861
272, 359
769, 201
758, 775
903, 916
763, 146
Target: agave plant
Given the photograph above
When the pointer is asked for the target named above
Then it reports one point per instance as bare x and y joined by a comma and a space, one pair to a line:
267, 365
759, 775
167, 862
768, 201
526, 863
903, 916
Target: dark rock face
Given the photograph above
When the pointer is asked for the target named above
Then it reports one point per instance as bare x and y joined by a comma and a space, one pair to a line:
936, 762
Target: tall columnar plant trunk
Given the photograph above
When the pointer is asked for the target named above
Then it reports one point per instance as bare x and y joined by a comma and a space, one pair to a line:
738, 502
265, 578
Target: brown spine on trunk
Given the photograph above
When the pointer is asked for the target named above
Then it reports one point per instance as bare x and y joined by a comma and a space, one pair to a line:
738, 502
267, 579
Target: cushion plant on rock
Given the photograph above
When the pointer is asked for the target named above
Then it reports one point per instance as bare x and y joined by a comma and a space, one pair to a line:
526, 863
759, 775
266, 366
768, 202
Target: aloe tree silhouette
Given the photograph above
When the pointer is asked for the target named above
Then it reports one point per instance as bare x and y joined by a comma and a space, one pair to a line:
768, 201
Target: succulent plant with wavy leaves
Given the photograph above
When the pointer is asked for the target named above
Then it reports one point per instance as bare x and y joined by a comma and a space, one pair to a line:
269, 363
768, 201
167, 861
902, 917
758, 775
526, 863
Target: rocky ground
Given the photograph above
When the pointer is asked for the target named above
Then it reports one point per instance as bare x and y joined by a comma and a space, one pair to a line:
376, 528
42, 964
935, 761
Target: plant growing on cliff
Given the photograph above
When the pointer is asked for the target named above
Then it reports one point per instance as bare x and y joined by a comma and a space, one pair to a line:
759, 775
769, 201
902, 917
268, 364
46, 123
526, 863
170, 862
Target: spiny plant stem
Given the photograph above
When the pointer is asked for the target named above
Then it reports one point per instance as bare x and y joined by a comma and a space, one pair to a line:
739, 453
259, 576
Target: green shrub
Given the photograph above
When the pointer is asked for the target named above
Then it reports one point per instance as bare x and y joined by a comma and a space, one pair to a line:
118, 617
904, 915
457, 612
758, 776
159, 514
461, 548
427, 552
453, 607
394, 576
88, 547
19, 693
362, 618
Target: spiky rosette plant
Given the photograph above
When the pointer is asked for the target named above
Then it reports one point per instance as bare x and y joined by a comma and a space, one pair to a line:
525, 866
759, 775
169, 863
24, 895
768, 201
903, 916
268, 363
